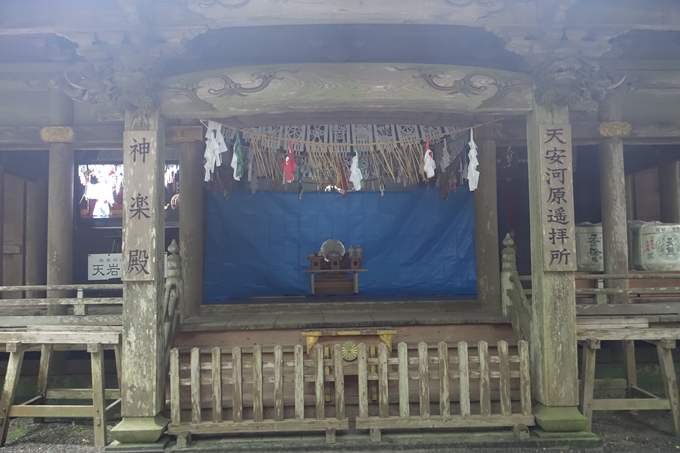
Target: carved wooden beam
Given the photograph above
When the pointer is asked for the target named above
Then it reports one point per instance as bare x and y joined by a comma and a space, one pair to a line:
507, 133
105, 136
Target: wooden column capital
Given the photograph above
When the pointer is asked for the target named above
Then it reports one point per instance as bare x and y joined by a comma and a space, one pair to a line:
187, 134
614, 129
56, 134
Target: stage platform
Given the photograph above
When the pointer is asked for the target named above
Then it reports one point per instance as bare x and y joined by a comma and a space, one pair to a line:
340, 312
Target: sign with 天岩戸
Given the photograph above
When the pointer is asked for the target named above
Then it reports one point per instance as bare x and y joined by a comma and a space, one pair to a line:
107, 266
103, 266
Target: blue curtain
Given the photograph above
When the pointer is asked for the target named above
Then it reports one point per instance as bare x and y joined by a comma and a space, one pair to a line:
413, 241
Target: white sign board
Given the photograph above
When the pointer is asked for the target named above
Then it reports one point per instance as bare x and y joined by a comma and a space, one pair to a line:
107, 266
103, 266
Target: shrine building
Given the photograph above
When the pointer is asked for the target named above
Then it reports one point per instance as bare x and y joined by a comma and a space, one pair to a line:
354, 219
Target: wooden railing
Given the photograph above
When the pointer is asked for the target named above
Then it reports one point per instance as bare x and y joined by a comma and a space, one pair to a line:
515, 303
279, 391
516, 289
32, 311
601, 293
457, 368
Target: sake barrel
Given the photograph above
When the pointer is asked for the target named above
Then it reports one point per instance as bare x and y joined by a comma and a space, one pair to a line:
656, 246
589, 253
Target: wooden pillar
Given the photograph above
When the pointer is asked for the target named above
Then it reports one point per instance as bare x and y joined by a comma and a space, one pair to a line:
36, 235
60, 203
669, 189
486, 228
143, 346
2, 218
191, 239
553, 323
630, 215
613, 194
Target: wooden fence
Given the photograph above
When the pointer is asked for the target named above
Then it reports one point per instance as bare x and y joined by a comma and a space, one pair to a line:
293, 392
460, 369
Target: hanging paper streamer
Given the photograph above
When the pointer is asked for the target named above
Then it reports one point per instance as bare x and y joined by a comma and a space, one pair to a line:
356, 177
428, 160
472, 174
446, 158
214, 146
237, 158
289, 165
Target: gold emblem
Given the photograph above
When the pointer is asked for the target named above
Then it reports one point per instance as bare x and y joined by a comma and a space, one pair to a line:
350, 351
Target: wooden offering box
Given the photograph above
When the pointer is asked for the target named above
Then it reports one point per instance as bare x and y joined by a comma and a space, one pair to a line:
335, 275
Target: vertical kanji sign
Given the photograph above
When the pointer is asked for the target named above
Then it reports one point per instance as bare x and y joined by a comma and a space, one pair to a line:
139, 165
557, 196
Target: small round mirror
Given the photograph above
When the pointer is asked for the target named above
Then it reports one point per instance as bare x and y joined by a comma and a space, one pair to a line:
332, 247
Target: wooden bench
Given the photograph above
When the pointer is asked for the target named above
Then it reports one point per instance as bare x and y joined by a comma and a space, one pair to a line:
590, 335
95, 339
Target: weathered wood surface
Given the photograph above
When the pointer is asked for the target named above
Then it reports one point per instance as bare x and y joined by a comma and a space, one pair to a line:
348, 87
195, 386
484, 383
630, 334
602, 322
630, 404
175, 411
79, 394
339, 382
278, 383
9, 389
111, 135
237, 389
525, 377
299, 384
278, 366
363, 381
60, 337
486, 228
98, 397
464, 378
252, 426
647, 310
670, 381
553, 322
258, 407
669, 189
216, 385
69, 287
587, 384
383, 391
455, 421
319, 383
89, 320
58, 301
191, 229
144, 342
84, 136
444, 396
424, 380
613, 195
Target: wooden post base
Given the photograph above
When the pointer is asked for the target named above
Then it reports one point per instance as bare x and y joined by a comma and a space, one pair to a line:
638, 398
98, 411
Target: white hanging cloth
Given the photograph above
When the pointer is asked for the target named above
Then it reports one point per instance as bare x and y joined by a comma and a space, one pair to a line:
472, 173
428, 160
214, 147
356, 176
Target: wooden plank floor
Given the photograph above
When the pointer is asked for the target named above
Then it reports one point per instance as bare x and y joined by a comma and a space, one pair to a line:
326, 312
